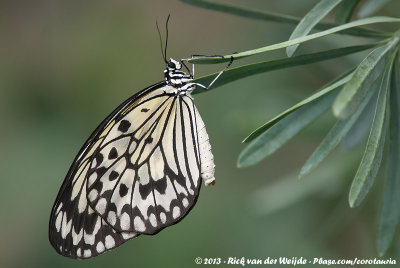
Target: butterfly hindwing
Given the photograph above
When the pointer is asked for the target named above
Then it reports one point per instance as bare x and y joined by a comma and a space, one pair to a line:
147, 173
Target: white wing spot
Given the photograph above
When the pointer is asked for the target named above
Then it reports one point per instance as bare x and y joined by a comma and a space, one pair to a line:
93, 195
94, 163
66, 227
185, 202
87, 253
163, 217
101, 206
111, 218
92, 178
153, 220
82, 203
125, 221
79, 252
143, 175
100, 247
176, 212
58, 221
139, 224
110, 242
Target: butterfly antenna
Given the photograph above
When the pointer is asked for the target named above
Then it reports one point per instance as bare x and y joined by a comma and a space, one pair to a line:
162, 49
166, 38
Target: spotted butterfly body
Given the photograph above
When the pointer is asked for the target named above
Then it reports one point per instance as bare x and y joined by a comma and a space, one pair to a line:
139, 172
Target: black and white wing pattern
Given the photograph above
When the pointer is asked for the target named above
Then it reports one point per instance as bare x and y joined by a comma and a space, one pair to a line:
146, 173
138, 173
75, 230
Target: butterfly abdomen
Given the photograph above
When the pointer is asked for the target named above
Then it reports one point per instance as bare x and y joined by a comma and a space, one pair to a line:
207, 166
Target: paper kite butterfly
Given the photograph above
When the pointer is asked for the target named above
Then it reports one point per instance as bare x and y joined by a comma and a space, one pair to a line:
139, 172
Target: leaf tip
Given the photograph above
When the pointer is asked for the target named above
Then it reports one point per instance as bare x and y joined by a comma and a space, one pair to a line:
383, 242
240, 163
248, 138
290, 51
354, 199
339, 110
381, 252
336, 109
303, 172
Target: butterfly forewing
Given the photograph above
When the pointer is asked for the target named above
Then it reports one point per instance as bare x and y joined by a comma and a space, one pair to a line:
75, 229
147, 175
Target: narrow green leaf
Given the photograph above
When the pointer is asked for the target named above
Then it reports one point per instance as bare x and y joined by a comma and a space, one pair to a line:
227, 58
370, 7
276, 17
345, 10
366, 73
244, 71
276, 136
325, 89
390, 211
362, 126
307, 23
372, 157
335, 135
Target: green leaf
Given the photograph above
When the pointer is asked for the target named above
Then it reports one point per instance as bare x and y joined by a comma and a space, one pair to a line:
345, 10
234, 74
372, 157
276, 17
227, 58
276, 136
366, 73
335, 135
325, 89
370, 7
362, 126
390, 211
307, 23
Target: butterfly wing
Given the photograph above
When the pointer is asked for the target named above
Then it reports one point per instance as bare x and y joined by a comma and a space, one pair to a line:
146, 172
75, 229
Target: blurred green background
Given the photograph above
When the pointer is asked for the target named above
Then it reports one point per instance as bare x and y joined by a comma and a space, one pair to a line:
66, 64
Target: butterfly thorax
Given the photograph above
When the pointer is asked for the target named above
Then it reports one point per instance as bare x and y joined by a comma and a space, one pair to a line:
175, 77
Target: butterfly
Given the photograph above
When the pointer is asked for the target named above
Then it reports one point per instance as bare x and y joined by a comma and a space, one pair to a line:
139, 172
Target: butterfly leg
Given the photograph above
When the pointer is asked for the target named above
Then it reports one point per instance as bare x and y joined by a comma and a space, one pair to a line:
191, 73
215, 79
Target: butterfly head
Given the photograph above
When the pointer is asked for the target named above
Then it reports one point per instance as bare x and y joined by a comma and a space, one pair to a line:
174, 65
